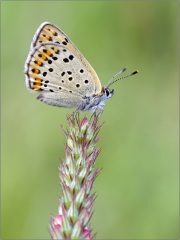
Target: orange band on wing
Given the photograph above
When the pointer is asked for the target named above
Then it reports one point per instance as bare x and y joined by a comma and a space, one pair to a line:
35, 70
37, 84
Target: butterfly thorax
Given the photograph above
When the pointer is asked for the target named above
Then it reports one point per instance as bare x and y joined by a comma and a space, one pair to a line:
96, 101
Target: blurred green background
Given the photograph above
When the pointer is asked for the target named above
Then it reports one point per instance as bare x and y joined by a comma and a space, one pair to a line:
138, 186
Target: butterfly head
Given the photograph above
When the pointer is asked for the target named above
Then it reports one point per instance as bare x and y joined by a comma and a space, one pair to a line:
107, 93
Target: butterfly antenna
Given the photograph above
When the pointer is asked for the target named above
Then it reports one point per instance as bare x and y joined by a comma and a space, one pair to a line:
111, 82
123, 70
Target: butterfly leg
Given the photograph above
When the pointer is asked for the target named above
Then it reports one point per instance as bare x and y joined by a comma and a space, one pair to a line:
93, 114
101, 110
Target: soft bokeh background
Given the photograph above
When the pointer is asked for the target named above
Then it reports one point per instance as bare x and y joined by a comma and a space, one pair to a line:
138, 187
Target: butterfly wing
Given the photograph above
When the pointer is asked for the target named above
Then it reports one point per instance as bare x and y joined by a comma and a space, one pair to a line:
63, 99
49, 33
61, 77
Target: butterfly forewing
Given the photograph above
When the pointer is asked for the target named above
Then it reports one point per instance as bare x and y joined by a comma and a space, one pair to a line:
49, 33
53, 67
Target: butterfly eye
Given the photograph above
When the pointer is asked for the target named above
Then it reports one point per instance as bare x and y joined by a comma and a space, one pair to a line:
107, 92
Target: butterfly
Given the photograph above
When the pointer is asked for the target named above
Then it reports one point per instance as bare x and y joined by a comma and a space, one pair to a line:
61, 75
